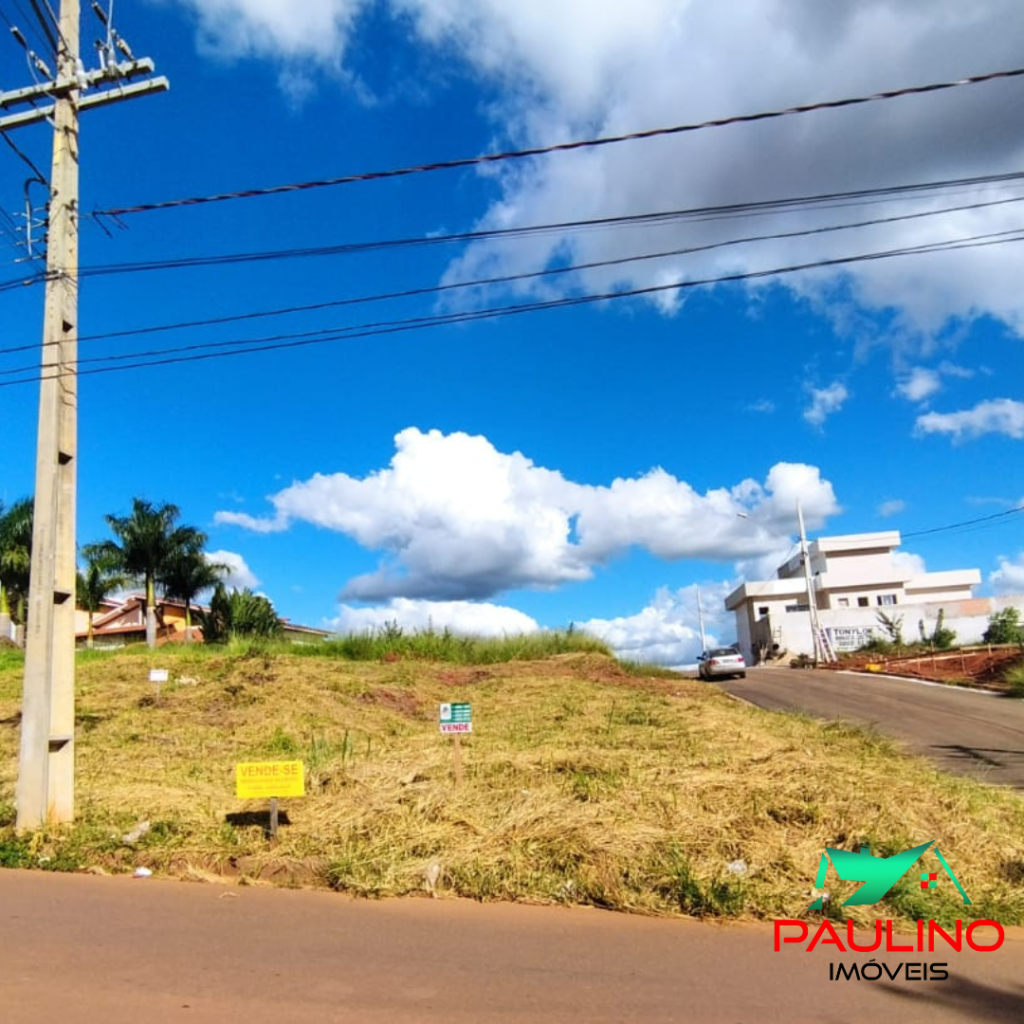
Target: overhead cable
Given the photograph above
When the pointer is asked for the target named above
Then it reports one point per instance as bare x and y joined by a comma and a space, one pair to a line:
561, 147
211, 350
966, 522
456, 285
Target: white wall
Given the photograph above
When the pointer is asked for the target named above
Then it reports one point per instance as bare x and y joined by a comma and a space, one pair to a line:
968, 619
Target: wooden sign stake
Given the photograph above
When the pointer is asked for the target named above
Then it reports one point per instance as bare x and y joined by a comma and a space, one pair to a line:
457, 753
273, 817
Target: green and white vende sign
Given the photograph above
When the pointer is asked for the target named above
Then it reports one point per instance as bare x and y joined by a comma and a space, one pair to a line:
456, 718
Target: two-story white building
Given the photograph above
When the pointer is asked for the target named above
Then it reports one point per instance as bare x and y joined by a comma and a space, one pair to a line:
854, 578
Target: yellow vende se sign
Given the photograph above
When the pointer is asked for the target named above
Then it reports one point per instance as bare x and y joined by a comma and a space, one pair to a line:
257, 779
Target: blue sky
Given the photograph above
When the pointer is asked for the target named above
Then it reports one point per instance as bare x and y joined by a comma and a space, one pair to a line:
583, 464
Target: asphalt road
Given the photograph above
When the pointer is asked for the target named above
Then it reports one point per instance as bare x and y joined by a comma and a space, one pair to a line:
964, 731
87, 950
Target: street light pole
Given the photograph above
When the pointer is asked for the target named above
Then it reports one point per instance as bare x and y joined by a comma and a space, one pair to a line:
817, 647
812, 604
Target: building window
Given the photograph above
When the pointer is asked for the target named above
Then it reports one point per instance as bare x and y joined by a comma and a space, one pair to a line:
797, 608
763, 610
843, 602
862, 602
886, 598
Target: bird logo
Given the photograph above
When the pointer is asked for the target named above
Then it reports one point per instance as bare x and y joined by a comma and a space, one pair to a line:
879, 874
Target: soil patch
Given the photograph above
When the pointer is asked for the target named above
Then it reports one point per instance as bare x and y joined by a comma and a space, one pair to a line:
981, 669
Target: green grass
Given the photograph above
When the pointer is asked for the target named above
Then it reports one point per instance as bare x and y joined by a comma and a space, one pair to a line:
430, 645
1014, 677
388, 643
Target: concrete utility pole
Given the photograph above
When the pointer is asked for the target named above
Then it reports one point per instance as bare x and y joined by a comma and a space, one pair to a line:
812, 604
46, 773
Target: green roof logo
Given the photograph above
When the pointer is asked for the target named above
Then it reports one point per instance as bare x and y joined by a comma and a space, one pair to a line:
879, 874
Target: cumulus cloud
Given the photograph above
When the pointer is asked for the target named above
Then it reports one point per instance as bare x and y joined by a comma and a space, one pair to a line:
299, 37
667, 631
456, 519
471, 618
891, 508
314, 29
909, 563
1009, 577
239, 575
920, 384
825, 402
563, 69
994, 416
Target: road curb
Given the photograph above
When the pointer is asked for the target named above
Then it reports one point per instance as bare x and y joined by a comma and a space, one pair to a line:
743, 700
918, 682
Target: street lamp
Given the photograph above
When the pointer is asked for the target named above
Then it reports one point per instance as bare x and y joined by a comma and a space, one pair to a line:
818, 646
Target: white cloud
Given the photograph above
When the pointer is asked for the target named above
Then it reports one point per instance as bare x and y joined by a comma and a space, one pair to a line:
765, 405
909, 563
239, 574
921, 384
672, 63
952, 370
464, 617
457, 519
994, 416
282, 29
825, 402
667, 631
891, 508
564, 69
1009, 577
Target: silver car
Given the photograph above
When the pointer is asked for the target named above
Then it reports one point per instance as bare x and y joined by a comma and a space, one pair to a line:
721, 661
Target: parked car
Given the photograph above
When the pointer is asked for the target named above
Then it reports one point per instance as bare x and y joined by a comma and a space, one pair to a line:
721, 661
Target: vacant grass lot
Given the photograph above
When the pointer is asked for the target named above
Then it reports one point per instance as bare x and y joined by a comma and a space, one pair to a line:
583, 783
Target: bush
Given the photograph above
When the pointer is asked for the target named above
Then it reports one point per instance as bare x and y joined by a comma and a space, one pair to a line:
239, 614
893, 626
1014, 675
876, 645
1005, 628
943, 638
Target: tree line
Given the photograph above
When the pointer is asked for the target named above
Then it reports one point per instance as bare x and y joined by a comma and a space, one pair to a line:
148, 547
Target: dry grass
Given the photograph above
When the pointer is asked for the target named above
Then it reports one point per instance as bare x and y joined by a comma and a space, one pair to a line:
583, 783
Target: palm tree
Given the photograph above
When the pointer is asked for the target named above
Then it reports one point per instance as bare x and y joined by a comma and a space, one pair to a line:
240, 613
147, 541
15, 562
188, 573
95, 585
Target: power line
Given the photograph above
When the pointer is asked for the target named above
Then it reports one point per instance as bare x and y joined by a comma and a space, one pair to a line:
40, 177
911, 190
966, 522
192, 262
520, 154
210, 350
30, 25
502, 279
45, 25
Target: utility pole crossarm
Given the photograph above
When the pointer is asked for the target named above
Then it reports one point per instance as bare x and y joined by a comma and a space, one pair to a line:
62, 86
100, 99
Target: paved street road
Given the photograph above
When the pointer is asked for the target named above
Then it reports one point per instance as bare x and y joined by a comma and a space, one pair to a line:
86, 950
965, 731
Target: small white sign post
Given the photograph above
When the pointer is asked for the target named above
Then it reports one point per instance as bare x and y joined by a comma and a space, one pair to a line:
158, 676
456, 720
